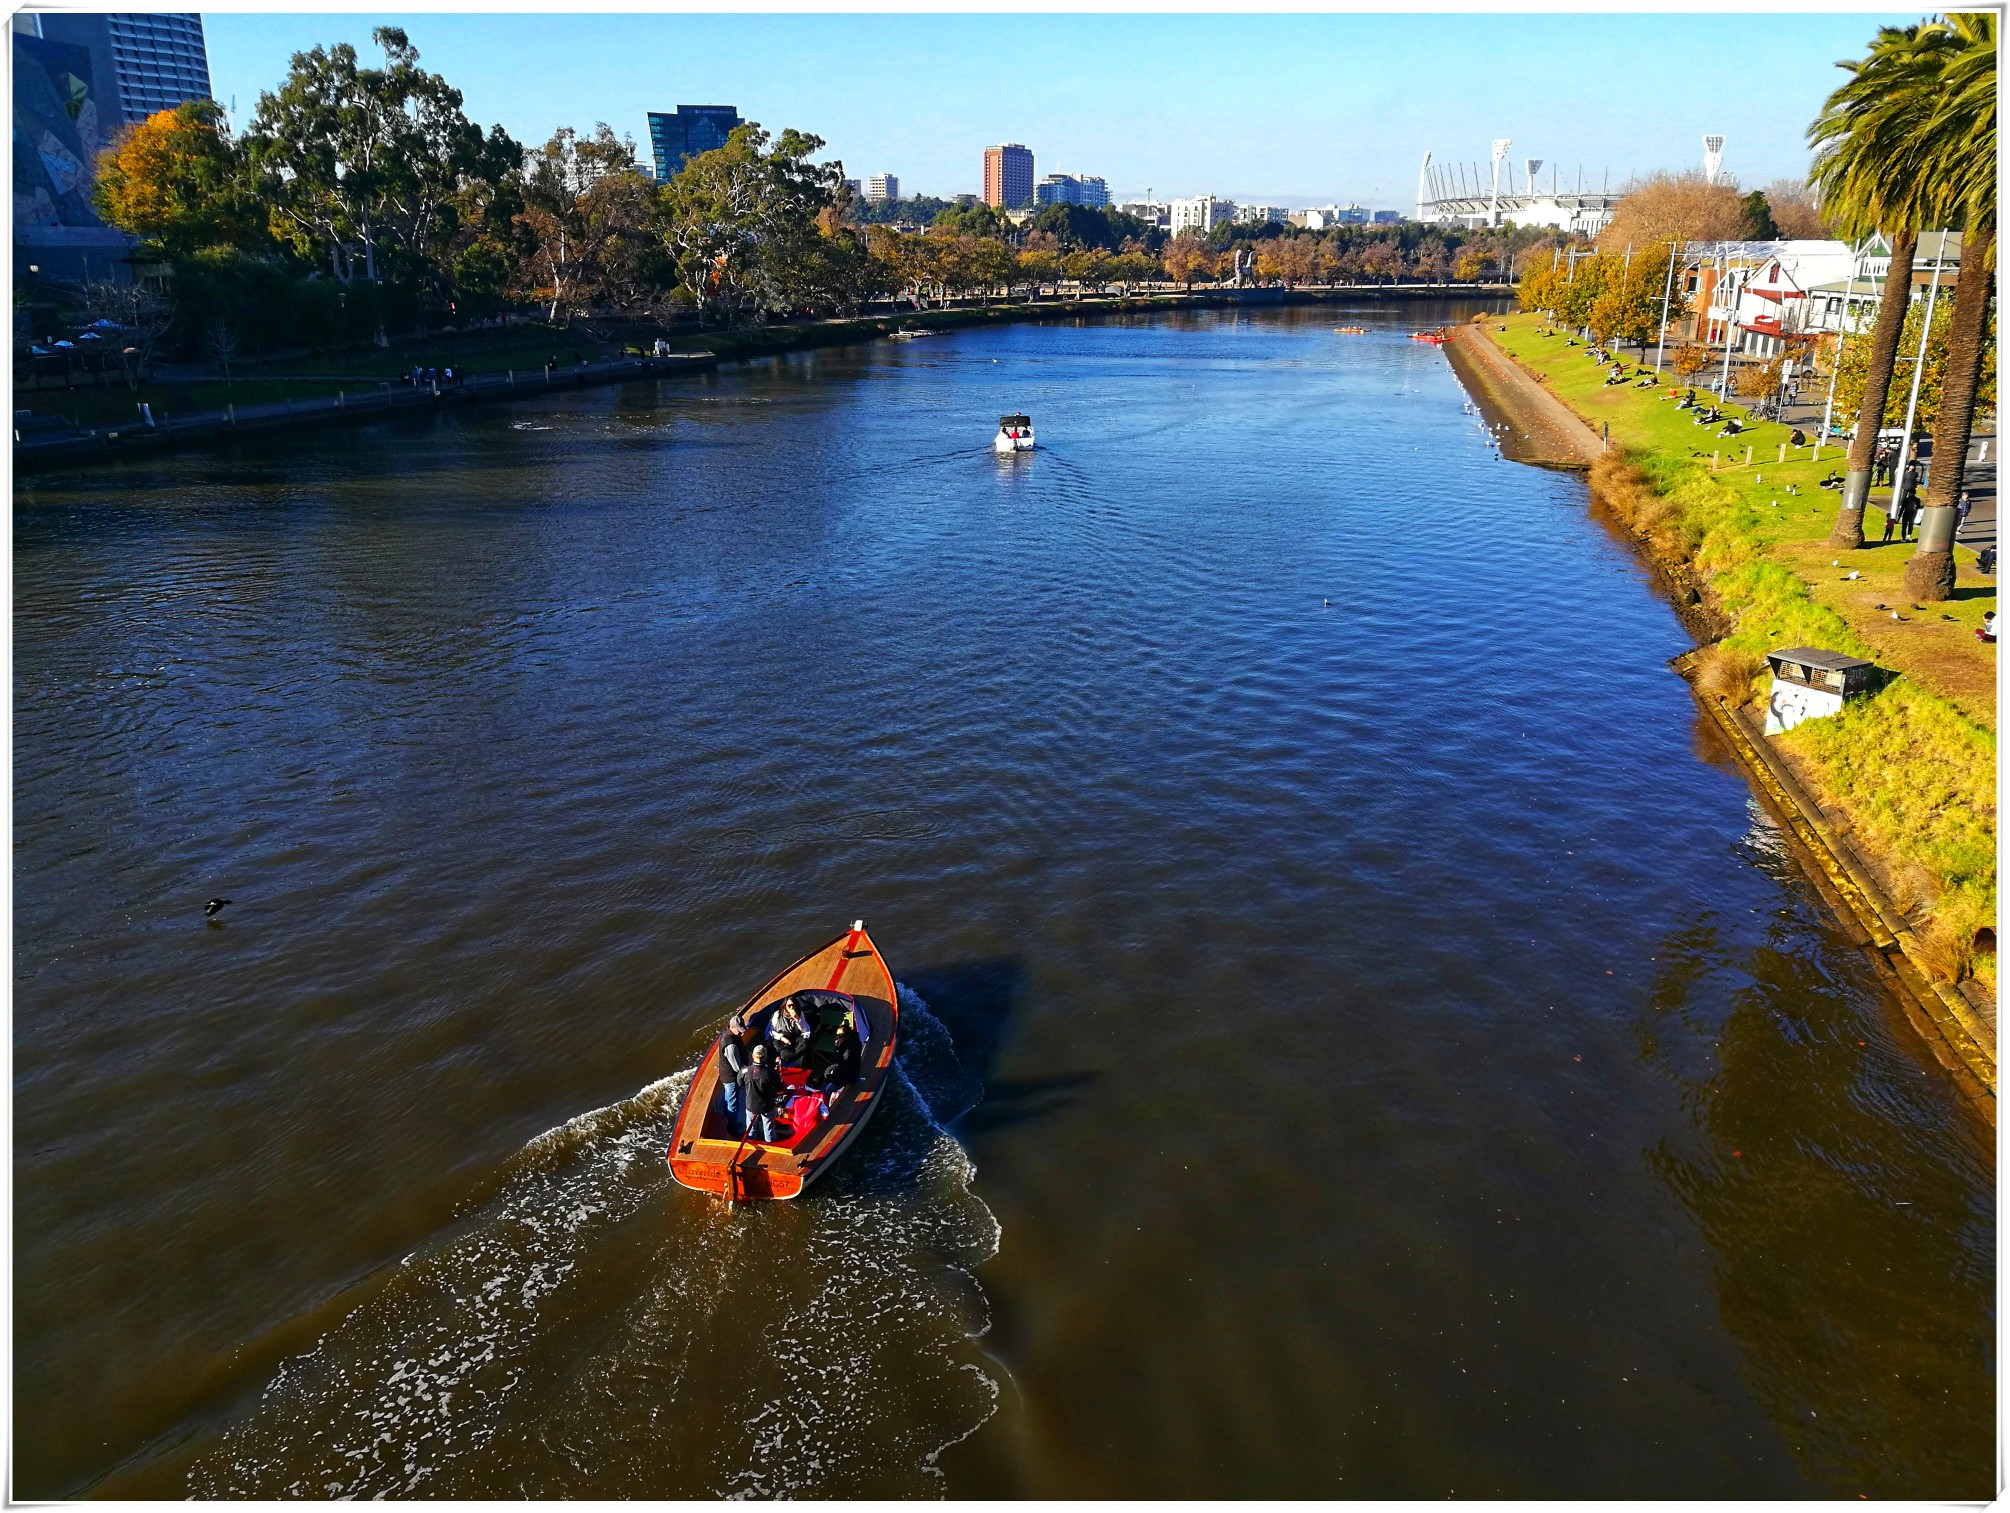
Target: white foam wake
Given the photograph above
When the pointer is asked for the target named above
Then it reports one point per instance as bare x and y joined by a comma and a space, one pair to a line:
592, 1329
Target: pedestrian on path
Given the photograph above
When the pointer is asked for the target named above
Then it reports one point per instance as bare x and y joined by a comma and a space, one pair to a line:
1908, 511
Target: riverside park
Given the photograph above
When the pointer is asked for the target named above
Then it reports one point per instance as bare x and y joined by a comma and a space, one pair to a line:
801, 814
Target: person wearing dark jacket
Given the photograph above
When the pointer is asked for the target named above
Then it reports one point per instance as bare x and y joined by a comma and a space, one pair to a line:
761, 1095
841, 1063
732, 1062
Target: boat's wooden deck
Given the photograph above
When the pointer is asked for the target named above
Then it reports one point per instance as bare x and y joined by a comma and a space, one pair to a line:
702, 1156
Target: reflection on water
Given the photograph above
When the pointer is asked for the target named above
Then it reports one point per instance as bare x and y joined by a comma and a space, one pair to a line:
1370, 1048
1824, 1228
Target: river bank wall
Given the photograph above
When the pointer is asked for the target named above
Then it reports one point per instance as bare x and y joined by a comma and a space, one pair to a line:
378, 401
1952, 1011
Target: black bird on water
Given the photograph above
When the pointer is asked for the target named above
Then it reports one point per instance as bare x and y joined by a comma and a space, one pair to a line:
209, 909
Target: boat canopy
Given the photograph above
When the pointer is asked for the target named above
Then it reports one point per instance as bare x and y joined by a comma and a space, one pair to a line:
1015, 420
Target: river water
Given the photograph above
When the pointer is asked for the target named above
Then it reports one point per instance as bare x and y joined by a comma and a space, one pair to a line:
1361, 1039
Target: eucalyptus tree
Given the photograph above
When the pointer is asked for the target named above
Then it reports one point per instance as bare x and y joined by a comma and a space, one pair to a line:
1868, 171
589, 212
740, 223
1960, 151
366, 168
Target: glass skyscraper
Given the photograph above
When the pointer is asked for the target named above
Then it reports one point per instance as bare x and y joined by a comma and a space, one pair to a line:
691, 129
142, 62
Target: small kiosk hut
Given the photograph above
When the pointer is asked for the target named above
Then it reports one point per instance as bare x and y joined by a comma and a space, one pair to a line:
1811, 684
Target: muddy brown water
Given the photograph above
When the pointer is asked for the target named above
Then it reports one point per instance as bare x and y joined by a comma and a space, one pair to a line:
1362, 1037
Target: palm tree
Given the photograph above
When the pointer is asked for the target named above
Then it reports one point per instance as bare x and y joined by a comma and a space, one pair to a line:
1867, 172
1961, 152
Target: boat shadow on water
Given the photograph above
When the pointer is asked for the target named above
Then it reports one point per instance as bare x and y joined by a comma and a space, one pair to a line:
973, 1003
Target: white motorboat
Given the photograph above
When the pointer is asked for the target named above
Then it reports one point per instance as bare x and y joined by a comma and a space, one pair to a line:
1015, 434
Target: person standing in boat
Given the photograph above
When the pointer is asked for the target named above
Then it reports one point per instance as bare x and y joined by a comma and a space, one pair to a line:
788, 1033
761, 1094
732, 1062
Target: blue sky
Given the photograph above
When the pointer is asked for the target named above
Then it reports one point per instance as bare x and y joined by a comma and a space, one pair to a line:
1286, 109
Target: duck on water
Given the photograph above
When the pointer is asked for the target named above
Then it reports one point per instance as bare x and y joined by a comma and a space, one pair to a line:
806, 1060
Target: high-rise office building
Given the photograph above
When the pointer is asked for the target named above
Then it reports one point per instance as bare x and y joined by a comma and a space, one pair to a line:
882, 186
691, 129
139, 63
1008, 177
1071, 189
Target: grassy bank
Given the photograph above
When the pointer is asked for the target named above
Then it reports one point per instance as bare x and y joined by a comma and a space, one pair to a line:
120, 405
1910, 771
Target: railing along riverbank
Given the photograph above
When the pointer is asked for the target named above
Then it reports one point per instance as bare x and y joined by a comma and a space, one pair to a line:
375, 400
371, 401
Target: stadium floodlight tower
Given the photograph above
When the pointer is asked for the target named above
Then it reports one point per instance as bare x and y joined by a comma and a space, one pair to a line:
1534, 166
1501, 146
1425, 198
1713, 158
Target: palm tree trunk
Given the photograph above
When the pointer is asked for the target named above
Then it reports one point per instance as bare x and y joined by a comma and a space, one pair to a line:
1929, 576
1848, 533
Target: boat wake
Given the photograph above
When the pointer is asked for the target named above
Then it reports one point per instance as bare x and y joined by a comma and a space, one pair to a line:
591, 1329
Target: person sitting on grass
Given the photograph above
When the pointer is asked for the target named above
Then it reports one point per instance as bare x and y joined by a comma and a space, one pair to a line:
1988, 630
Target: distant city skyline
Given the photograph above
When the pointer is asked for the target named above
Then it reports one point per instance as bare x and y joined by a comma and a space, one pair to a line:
1279, 109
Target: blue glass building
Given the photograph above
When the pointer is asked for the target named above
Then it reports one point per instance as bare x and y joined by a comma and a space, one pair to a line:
1071, 189
691, 129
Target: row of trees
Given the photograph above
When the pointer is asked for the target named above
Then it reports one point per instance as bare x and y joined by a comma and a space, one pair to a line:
1908, 144
361, 199
1618, 296
1687, 207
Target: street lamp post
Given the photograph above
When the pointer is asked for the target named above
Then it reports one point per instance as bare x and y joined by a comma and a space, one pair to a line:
1835, 363
1667, 292
1918, 370
1730, 329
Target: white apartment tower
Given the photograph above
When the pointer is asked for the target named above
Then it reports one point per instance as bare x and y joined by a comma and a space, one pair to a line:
1201, 214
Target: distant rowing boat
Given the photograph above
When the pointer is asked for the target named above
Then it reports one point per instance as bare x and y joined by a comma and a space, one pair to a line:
1436, 338
1350, 330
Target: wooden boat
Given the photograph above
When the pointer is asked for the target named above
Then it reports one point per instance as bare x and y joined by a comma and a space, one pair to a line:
1350, 330
846, 979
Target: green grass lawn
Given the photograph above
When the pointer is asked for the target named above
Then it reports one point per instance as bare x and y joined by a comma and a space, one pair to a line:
1911, 770
1935, 645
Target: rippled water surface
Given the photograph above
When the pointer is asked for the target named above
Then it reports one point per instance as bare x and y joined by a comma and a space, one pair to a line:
1361, 1039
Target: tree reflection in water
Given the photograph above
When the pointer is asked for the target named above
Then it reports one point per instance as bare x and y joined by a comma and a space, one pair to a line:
1842, 1183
